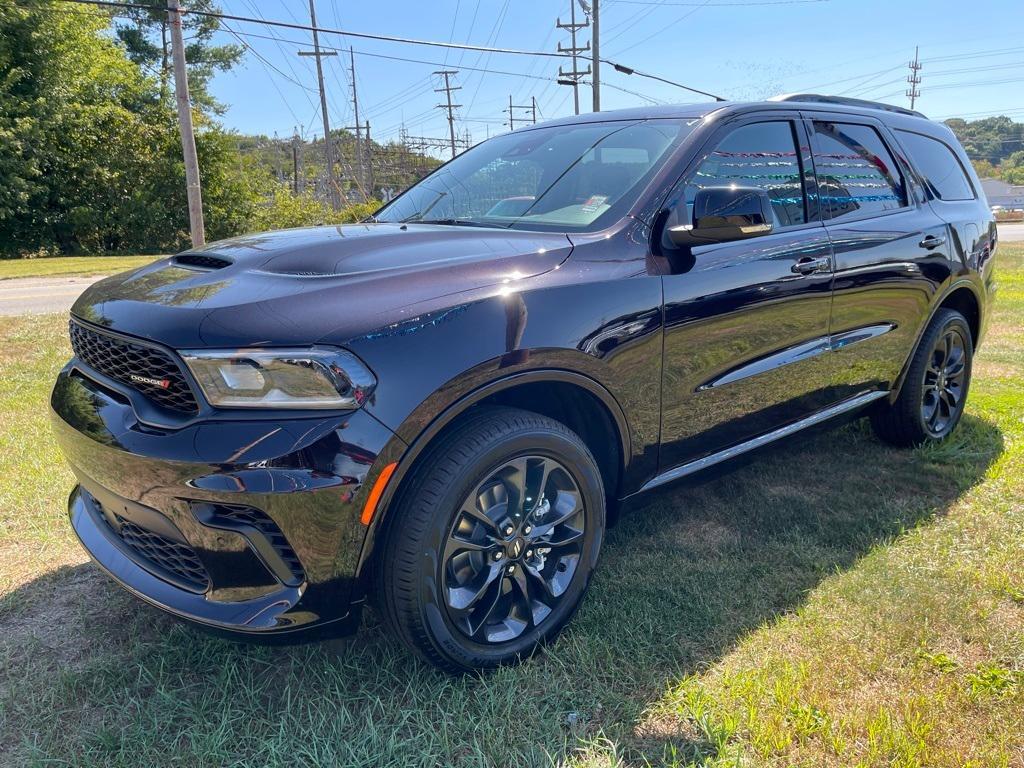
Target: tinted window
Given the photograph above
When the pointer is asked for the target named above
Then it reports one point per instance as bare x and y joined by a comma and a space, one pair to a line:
940, 167
856, 173
568, 177
762, 155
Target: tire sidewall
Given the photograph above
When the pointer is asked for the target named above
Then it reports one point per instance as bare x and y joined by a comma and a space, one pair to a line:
947, 320
448, 639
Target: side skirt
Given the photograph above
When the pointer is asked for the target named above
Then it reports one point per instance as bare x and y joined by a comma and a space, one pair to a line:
725, 454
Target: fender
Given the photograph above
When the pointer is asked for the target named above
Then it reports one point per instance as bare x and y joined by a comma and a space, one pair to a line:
411, 452
940, 297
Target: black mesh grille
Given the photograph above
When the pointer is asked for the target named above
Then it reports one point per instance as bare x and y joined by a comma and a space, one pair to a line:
171, 557
261, 522
122, 360
201, 261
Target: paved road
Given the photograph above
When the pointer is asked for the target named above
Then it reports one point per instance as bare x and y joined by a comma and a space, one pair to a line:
39, 295
1011, 233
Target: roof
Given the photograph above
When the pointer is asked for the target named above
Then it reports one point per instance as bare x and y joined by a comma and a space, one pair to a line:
1000, 187
886, 112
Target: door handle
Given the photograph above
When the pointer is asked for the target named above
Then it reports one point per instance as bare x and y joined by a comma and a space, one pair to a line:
931, 241
808, 265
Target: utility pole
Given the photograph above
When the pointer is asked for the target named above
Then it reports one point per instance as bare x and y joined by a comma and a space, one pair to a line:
188, 137
593, 11
296, 165
328, 146
358, 128
596, 38
369, 162
914, 79
532, 106
448, 88
572, 77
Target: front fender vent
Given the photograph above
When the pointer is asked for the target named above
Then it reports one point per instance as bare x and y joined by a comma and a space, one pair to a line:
257, 526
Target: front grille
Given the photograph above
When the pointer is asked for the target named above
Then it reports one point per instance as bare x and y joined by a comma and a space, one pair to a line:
121, 360
173, 557
262, 523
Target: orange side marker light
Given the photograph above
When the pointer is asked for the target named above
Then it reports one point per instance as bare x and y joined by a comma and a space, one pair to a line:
375, 493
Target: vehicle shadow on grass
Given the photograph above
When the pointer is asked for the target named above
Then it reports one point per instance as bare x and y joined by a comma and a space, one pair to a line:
95, 677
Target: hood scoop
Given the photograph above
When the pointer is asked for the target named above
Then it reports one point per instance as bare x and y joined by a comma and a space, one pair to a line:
201, 261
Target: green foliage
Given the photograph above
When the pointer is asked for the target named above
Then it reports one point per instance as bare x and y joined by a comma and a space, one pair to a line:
991, 138
90, 154
286, 209
146, 38
1012, 168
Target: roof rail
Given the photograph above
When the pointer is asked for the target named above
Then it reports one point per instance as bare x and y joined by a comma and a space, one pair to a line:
846, 101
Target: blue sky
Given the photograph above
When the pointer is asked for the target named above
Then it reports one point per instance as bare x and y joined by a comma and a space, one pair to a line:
973, 59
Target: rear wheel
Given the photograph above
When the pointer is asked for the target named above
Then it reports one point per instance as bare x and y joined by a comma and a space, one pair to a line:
932, 398
494, 540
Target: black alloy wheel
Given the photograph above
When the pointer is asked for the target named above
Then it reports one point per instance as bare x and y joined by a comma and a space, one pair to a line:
493, 540
513, 549
931, 401
945, 380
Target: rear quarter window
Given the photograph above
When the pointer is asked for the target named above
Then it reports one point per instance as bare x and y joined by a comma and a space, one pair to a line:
943, 173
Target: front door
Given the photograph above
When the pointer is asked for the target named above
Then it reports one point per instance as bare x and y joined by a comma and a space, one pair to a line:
746, 322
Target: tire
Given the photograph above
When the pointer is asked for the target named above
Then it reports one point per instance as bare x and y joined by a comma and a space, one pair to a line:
454, 536
939, 378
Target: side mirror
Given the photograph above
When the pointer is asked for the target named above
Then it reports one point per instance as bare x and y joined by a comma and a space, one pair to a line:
721, 214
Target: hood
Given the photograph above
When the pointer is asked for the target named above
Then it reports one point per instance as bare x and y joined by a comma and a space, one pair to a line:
315, 284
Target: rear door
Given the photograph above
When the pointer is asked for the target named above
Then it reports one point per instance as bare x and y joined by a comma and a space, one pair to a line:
746, 322
953, 195
887, 245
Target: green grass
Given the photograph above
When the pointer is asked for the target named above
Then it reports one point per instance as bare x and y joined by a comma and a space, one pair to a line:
70, 265
867, 613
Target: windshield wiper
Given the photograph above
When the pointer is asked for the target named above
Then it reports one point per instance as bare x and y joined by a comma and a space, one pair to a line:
452, 222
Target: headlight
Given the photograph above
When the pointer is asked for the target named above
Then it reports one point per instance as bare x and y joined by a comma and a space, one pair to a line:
281, 378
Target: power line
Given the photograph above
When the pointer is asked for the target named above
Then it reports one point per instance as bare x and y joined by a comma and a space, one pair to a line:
328, 30
387, 38
447, 90
744, 4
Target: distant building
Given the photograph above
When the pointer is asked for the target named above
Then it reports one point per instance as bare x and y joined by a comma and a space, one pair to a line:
1008, 196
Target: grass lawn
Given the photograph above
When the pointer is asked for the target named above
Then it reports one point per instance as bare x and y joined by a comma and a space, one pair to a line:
70, 265
867, 613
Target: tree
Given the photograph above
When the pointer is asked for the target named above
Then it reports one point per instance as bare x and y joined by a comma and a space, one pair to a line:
985, 169
146, 38
90, 155
991, 138
1012, 169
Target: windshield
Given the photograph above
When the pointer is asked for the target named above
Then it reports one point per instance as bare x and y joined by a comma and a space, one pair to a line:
567, 178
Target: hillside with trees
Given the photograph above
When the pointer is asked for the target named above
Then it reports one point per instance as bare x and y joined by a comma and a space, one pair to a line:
995, 146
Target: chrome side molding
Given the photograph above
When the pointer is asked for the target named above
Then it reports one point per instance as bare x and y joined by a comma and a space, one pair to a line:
768, 437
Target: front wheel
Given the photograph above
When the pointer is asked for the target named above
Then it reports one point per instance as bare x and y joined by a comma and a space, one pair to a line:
494, 540
934, 392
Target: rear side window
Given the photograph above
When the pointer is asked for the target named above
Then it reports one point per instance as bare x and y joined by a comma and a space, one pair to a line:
762, 155
941, 168
856, 173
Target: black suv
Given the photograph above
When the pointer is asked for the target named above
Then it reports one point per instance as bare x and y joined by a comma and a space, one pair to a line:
437, 410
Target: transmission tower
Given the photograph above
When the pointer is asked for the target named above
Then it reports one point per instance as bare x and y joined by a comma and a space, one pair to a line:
914, 79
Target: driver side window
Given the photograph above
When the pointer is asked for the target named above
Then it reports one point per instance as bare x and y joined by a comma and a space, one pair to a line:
762, 155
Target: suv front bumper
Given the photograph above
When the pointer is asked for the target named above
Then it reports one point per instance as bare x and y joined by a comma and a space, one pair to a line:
249, 527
